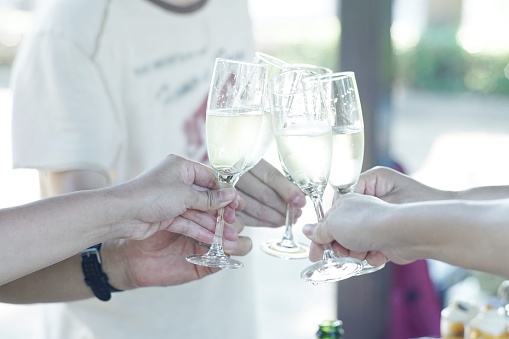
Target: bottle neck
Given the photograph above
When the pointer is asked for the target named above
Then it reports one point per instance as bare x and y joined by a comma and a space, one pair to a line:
330, 329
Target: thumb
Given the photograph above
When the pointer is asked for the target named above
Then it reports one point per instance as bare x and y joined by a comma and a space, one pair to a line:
212, 199
317, 233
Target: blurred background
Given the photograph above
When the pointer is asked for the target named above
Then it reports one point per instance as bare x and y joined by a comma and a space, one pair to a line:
433, 77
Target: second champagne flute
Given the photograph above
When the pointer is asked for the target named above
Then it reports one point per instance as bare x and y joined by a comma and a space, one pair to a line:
341, 93
303, 135
286, 247
233, 122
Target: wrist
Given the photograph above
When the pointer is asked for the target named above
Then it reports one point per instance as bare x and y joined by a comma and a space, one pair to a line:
115, 264
95, 278
120, 204
412, 227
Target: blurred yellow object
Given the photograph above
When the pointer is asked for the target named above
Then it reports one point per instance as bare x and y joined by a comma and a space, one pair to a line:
454, 318
490, 323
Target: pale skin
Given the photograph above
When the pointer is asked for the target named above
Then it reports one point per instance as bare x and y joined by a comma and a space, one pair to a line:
394, 217
264, 205
152, 220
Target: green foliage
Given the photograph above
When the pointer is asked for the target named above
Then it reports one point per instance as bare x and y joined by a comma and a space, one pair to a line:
310, 41
439, 63
323, 54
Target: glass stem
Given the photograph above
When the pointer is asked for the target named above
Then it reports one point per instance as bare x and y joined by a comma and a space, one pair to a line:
216, 248
328, 253
287, 240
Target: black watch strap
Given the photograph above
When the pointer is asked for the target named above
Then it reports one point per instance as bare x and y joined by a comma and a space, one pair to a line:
95, 278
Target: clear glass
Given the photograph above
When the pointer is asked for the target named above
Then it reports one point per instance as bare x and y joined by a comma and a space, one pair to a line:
285, 248
340, 91
233, 123
303, 136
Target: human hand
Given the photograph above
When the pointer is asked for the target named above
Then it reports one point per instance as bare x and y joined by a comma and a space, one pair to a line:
180, 196
356, 226
160, 259
267, 192
395, 187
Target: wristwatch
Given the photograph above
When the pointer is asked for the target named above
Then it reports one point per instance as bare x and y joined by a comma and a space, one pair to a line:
95, 278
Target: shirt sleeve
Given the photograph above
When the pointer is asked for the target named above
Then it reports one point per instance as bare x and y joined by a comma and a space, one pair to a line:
63, 118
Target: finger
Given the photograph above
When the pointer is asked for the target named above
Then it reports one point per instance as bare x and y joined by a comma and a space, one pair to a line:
190, 229
376, 258
240, 247
308, 230
203, 175
358, 255
210, 199
201, 226
242, 203
230, 233
315, 252
317, 233
340, 250
258, 214
249, 186
273, 178
238, 225
229, 215
203, 219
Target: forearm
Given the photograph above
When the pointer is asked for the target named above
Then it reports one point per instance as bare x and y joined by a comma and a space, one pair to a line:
63, 281
483, 193
47, 231
470, 234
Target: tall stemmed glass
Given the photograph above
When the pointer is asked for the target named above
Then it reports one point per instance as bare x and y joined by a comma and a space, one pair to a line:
340, 91
286, 247
303, 135
234, 118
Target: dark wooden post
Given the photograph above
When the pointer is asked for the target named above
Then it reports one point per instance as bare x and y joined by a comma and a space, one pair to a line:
363, 302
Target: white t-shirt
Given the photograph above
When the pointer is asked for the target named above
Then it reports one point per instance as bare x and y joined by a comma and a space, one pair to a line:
114, 86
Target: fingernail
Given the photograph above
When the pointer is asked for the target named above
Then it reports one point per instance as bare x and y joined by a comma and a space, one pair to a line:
308, 229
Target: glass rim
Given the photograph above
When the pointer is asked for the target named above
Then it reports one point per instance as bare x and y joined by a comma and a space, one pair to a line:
272, 60
280, 93
240, 62
310, 67
336, 76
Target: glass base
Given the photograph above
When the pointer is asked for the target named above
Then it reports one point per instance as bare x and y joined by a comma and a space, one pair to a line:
214, 261
330, 270
367, 268
285, 249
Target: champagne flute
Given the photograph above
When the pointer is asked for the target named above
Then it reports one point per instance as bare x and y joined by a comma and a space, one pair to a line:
233, 121
303, 135
340, 91
285, 248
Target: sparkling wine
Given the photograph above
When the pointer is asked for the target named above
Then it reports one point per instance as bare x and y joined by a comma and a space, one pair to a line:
265, 138
305, 150
230, 138
347, 155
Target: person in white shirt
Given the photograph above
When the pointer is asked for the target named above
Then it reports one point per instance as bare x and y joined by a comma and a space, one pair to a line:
170, 203
394, 217
102, 89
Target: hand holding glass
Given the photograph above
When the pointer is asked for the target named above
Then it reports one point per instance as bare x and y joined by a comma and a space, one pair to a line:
233, 122
286, 247
303, 135
341, 93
